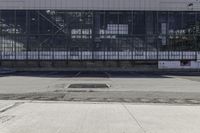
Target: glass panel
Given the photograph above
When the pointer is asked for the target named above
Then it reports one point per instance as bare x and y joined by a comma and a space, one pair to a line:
60, 34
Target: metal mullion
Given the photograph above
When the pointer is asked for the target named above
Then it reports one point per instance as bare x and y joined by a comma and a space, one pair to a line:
132, 31
15, 48
1, 45
166, 35
93, 35
157, 33
118, 49
27, 33
182, 28
145, 36
196, 47
38, 32
104, 23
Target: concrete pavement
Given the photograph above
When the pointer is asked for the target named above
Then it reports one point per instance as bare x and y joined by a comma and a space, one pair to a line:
65, 117
30, 82
123, 87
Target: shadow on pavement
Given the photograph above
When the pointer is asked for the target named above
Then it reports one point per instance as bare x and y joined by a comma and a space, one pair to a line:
87, 74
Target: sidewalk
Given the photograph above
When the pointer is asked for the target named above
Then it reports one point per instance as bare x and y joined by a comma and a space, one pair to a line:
72, 117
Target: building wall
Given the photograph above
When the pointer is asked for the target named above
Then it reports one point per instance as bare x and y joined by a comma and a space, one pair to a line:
99, 35
172, 5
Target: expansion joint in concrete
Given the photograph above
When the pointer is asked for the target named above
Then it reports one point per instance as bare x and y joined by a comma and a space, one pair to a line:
134, 118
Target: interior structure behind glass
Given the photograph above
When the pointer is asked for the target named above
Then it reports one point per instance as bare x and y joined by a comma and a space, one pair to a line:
99, 35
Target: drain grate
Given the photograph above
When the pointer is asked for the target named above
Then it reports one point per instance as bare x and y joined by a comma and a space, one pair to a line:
88, 86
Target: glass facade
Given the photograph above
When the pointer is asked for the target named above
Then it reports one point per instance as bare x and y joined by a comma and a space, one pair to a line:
98, 35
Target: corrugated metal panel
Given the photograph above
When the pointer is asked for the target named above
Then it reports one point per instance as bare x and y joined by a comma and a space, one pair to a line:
12, 4
175, 5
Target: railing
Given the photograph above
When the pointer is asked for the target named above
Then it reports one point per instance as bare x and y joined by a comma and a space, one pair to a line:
99, 55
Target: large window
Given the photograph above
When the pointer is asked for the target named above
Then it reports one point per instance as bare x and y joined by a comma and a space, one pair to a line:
81, 33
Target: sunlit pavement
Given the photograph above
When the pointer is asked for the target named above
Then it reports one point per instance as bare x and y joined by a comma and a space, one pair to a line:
43, 102
28, 82
72, 117
132, 87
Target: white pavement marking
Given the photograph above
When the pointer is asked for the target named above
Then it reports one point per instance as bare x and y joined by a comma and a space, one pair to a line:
65, 117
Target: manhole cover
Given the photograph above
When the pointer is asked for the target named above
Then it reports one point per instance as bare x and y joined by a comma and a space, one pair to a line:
88, 86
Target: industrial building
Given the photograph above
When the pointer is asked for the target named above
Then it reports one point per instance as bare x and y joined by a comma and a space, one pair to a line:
100, 33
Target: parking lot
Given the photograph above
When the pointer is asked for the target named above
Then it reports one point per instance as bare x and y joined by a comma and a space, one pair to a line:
148, 87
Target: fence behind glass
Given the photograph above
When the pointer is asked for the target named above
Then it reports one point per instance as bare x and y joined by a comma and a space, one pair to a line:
99, 55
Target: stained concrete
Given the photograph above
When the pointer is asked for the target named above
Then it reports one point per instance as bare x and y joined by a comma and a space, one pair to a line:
123, 87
